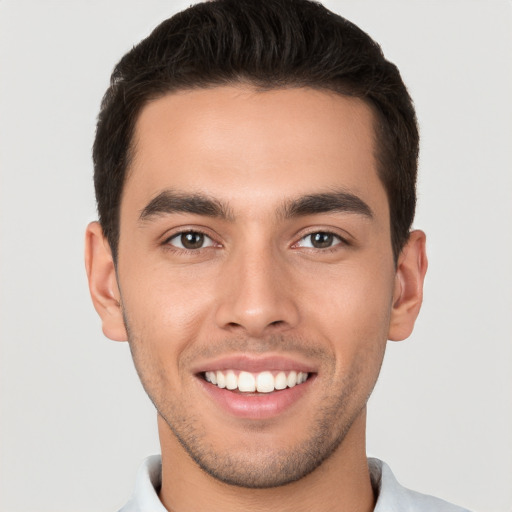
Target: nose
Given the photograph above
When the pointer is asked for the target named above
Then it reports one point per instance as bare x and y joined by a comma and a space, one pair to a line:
257, 295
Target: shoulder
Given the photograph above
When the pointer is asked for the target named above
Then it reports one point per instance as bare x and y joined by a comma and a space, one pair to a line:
393, 497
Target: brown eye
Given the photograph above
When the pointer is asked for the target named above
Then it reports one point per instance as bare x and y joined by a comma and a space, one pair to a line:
320, 240
190, 240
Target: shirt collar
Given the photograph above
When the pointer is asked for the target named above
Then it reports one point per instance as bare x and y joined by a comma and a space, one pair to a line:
391, 496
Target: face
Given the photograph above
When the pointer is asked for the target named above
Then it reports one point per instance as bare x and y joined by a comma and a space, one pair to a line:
256, 275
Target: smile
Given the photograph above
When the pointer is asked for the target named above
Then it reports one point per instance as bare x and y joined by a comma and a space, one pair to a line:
256, 387
262, 382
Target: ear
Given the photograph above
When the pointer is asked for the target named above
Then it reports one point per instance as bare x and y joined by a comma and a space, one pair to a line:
408, 292
101, 274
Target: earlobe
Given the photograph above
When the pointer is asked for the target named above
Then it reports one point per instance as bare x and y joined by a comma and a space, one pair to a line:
408, 292
101, 274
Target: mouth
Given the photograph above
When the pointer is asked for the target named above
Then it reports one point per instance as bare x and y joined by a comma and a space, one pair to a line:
261, 382
256, 388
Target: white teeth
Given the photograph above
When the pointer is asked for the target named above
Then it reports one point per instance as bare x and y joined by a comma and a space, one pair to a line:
292, 379
280, 381
221, 380
211, 377
246, 382
263, 382
231, 380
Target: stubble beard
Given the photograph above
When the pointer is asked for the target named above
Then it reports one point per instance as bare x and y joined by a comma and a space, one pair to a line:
250, 466
254, 468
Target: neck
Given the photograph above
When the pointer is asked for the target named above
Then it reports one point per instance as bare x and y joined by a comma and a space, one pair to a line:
341, 483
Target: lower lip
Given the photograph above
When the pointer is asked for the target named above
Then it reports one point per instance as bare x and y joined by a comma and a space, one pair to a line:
256, 405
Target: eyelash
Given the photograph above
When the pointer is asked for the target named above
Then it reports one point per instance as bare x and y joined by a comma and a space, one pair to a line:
167, 242
341, 241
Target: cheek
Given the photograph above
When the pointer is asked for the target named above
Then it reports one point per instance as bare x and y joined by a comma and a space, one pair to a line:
165, 310
163, 319
356, 321
352, 309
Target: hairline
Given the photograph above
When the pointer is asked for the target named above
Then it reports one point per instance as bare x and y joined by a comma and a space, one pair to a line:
259, 86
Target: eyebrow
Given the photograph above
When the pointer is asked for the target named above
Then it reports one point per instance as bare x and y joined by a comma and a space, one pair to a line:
169, 201
337, 201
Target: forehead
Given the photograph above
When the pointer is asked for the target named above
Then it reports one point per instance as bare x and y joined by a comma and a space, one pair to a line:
251, 148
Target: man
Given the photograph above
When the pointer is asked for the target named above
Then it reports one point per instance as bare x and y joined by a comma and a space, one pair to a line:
255, 169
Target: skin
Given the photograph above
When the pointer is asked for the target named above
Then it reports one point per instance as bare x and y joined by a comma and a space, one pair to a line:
257, 287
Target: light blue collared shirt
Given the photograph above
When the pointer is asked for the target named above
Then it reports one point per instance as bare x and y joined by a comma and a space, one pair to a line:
391, 496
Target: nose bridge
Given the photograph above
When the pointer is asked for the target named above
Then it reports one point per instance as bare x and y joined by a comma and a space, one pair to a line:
257, 293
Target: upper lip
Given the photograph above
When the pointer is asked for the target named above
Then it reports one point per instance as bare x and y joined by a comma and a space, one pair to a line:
254, 364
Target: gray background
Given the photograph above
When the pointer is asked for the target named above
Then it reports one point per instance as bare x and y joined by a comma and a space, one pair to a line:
75, 423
